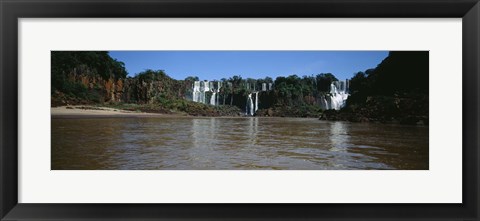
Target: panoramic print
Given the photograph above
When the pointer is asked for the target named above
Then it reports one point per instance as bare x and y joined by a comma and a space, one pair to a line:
239, 110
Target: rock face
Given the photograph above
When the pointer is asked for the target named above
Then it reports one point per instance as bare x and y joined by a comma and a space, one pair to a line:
128, 90
139, 91
111, 90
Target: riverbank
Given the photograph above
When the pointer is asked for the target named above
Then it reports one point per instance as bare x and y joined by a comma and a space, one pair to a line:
132, 110
85, 111
91, 111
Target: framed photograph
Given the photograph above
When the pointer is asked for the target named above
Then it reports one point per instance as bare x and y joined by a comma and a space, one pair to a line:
230, 110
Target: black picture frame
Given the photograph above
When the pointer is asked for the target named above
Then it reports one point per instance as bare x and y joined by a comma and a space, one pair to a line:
11, 11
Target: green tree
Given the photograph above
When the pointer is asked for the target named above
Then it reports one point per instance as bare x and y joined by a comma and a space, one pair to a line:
192, 78
93, 63
236, 81
324, 80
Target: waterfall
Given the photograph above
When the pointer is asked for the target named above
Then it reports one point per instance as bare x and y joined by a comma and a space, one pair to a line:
211, 85
264, 86
196, 91
219, 85
324, 103
202, 92
251, 104
333, 88
249, 107
199, 89
337, 97
212, 99
256, 102
206, 86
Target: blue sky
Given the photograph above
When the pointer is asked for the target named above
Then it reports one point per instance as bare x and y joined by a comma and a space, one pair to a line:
214, 65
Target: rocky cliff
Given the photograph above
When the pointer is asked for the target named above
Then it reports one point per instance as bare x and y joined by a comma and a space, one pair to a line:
95, 89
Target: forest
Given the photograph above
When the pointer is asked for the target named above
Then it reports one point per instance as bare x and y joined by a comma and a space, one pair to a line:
396, 91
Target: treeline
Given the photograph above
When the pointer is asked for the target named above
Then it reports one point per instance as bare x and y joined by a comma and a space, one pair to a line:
78, 72
96, 78
66, 64
397, 90
93, 77
401, 72
291, 91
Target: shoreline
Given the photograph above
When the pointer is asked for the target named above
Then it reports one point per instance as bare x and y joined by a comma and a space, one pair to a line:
95, 112
86, 111
89, 111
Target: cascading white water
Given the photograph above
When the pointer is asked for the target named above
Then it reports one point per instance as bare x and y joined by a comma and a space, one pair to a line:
251, 104
219, 84
202, 92
211, 85
206, 86
256, 102
196, 91
213, 99
337, 97
199, 89
324, 103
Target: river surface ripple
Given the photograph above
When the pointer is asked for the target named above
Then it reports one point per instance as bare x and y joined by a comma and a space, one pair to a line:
178, 143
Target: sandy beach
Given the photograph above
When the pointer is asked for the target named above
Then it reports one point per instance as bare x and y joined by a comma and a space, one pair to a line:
87, 111
84, 111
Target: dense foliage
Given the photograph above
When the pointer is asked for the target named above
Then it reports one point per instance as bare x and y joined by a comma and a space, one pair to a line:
152, 86
291, 90
396, 90
67, 64
401, 72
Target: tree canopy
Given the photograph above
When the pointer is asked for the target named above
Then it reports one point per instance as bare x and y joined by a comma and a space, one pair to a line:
94, 63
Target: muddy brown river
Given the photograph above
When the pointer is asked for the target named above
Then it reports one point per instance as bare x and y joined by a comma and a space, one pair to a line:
247, 143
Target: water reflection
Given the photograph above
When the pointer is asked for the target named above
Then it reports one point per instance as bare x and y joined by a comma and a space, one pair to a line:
235, 143
253, 129
338, 136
